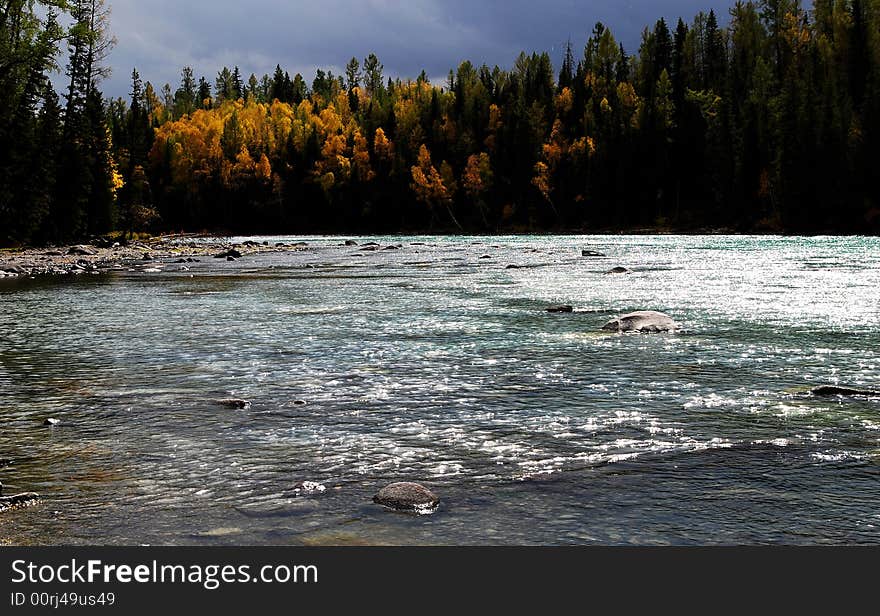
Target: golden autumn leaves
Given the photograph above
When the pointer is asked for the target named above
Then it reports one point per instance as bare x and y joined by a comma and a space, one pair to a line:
239, 144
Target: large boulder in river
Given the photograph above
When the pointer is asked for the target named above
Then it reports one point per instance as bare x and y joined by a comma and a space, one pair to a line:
406, 496
645, 321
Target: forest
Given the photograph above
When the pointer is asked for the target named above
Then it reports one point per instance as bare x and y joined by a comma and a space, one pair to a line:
769, 123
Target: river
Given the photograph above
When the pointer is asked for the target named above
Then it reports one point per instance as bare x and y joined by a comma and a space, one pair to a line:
433, 363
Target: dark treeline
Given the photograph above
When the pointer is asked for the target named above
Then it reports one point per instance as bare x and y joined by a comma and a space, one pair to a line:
768, 124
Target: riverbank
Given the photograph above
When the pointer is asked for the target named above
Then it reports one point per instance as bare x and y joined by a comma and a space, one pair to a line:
103, 256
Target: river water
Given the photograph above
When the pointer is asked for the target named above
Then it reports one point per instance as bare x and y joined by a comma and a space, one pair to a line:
435, 364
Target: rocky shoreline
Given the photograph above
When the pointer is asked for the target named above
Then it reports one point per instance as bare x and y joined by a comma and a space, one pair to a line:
103, 256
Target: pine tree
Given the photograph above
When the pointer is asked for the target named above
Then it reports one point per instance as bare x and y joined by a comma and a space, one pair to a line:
185, 97
566, 73
353, 74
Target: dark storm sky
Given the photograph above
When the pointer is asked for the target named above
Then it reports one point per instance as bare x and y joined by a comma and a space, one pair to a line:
160, 36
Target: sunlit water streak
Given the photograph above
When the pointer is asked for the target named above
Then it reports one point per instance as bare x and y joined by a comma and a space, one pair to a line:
433, 364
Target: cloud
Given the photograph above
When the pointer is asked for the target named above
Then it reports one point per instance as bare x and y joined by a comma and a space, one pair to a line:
161, 36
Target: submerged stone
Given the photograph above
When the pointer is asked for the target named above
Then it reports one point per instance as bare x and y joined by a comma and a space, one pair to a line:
645, 321
18, 500
406, 496
232, 252
558, 309
591, 253
309, 487
51, 421
234, 403
618, 270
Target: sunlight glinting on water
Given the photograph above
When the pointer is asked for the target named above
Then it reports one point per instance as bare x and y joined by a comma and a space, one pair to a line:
432, 363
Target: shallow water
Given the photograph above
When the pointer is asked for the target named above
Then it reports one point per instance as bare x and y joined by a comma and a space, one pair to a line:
433, 364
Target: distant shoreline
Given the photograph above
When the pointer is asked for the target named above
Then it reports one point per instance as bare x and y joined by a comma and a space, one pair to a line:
102, 256
83, 259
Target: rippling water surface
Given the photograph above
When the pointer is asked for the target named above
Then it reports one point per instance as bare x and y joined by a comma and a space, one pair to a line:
432, 363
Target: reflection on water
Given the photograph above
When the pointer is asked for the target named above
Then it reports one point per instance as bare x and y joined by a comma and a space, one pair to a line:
432, 364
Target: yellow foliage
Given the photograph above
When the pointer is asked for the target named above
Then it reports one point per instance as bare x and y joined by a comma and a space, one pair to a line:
493, 126
427, 183
541, 181
360, 158
334, 158
629, 102
343, 109
116, 181
585, 146
564, 101
383, 148
264, 168
331, 121
477, 175
327, 181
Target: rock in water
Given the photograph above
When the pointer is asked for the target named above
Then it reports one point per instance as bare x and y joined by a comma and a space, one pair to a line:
309, 487
558, 309
407, 496
18, 500
232, 252
591, 253
80, 250
835, 390
350, 243
618, 270
51, 421
234, 403
645, 321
